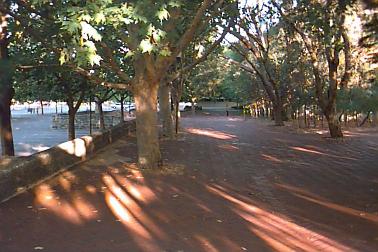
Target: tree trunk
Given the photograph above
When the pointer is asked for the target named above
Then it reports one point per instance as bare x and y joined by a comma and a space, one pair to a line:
165, 111
145, 96
365, 119
101, 115
6, 91
6, 134
277, 112
41, 102
71, 122
56, 107
122, 109
193, 108
334, 125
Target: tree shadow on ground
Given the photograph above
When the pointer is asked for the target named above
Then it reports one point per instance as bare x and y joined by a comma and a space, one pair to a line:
209, 197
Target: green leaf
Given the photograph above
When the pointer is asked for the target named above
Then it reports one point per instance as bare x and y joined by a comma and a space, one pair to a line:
90, 45
94, 59
63, 56
129, 54
165, 52
99, 18
89, 32
146, 46
162, 14
86, 18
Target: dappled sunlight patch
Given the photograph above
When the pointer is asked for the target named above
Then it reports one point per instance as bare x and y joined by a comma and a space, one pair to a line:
211, 133
308, 150
91, 189
66, 179
137, 190
205, 243
64, 183
303, 194
5, 161
45, 158
126, 204
278, 232
76, 212
75, 147
84, 208
228, 147
235, 119
165, 169
348, 133
271, 158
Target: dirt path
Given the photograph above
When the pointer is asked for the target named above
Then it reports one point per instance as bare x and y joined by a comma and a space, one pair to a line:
229, 185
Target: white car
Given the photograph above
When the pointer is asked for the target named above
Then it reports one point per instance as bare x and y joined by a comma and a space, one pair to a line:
184, 106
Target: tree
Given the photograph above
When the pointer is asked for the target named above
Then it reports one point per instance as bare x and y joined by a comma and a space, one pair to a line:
321, 28
121, 96
262, 44
147, 35
101, 95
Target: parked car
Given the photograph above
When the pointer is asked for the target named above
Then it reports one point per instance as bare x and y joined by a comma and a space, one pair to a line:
185, 106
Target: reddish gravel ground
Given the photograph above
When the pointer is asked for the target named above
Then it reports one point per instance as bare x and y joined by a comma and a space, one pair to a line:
228, 185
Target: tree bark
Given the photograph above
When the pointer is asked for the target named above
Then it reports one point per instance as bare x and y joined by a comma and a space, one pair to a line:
7, 145
41, 102
193, 108
6, 91
277, 112
334, 125
145, 96
165, 111
122, 100
101, 115
71, 122
365, 119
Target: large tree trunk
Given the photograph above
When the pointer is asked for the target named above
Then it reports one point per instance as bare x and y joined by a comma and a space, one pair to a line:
330, 110
6, 134
71, 123
278, 111
165, 111
145, 95
334, 125
6, 91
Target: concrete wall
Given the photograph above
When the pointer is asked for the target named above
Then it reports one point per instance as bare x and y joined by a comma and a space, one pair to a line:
216, 105
20, 173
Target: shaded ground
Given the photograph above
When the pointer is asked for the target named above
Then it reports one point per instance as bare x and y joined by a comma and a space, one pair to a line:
229, 185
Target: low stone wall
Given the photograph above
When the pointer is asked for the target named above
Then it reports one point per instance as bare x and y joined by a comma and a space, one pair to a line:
216, 105
111, 119
20, 173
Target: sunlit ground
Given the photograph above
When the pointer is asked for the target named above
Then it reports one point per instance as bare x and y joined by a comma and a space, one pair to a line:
237, 192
